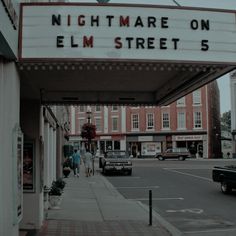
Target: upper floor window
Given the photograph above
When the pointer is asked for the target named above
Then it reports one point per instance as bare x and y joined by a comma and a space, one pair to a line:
114, 108
135, 122
114, 123
81, 108
181, 102
81, 123
97, 108
150, 121
165, 120
197, 97
98, 124
197, 119
181, 120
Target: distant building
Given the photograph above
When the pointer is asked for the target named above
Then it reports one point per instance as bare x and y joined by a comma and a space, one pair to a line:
192, 121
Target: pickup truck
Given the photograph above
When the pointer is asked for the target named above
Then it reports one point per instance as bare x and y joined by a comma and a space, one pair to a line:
174, 153
226, 176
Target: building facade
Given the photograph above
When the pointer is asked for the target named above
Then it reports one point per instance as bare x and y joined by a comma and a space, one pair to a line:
192, 121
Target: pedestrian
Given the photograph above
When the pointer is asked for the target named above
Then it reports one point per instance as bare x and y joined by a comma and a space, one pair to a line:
76, 162
88, 157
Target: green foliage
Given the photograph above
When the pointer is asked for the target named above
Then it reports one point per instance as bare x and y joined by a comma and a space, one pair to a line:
226, 121
57, 187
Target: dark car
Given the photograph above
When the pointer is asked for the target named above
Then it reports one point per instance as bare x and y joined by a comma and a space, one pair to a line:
116, 161
226, 176
174, 153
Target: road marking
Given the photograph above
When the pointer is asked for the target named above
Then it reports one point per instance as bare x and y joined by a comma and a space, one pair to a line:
193, 210
209, 231
156, 199
196, 176
133, 187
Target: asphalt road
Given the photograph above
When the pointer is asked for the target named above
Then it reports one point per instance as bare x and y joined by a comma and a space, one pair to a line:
183, 193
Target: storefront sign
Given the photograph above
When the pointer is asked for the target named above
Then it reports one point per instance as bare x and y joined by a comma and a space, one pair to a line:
188, 138
145, 138
74, 30
10, 12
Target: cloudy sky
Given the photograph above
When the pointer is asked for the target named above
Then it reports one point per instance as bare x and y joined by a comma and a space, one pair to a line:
223, 82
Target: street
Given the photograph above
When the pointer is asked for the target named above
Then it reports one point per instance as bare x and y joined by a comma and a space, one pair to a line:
183, 194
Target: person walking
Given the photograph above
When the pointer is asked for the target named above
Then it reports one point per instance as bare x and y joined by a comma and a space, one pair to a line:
76, 162
88, 157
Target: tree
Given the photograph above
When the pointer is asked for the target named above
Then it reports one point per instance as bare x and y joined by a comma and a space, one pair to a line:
226, 121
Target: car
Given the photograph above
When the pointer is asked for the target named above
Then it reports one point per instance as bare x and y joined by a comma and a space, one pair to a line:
226, 176
116, 161
174, 153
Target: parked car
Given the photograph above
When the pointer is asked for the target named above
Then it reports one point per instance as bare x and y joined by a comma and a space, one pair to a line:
174, 153
226, 176
116, 161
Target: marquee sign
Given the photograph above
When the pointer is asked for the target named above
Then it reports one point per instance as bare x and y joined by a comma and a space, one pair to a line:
127, 32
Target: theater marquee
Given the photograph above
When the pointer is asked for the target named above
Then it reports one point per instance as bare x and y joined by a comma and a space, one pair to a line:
79, 31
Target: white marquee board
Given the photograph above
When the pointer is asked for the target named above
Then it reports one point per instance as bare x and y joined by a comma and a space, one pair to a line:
126, 32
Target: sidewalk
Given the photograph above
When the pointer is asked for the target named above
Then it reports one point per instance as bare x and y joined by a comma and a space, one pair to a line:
91, 206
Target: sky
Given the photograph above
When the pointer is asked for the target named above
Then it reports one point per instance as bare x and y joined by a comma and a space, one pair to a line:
224, 81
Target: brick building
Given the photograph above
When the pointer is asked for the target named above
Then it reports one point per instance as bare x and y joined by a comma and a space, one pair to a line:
192, 121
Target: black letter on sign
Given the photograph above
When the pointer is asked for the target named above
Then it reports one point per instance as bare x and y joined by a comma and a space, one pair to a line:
56, 20
205, 46
205, 24
60, 42
194, 24
138, 22
163, 43
73, 44
164, 22
175, 40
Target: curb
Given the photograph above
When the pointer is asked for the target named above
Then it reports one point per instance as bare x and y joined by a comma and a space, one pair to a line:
164, 223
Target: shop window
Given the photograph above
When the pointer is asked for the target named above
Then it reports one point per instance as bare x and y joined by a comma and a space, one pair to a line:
116, 145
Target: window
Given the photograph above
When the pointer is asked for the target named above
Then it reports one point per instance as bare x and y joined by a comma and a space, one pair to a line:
197, 120
97, 108
116, 145
197, 97
81, 108
81, 123
114, 108
114, 123
181, 120
181, 102
165, 120
135, 122
150, 121
98, 124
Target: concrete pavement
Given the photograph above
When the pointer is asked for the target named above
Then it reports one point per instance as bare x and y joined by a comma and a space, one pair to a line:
91, 206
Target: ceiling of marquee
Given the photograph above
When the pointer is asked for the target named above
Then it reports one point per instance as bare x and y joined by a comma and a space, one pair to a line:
113, 83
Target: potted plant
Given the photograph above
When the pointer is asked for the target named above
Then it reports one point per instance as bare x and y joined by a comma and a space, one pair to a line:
66, 168
55, 193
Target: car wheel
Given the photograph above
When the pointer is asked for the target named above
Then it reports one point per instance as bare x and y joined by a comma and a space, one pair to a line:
181, 158
225, 188
160, 158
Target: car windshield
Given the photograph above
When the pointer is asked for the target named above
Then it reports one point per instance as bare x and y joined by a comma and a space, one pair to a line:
116, 155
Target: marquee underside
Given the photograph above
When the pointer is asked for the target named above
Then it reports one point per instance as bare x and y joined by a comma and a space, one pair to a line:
123, 83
